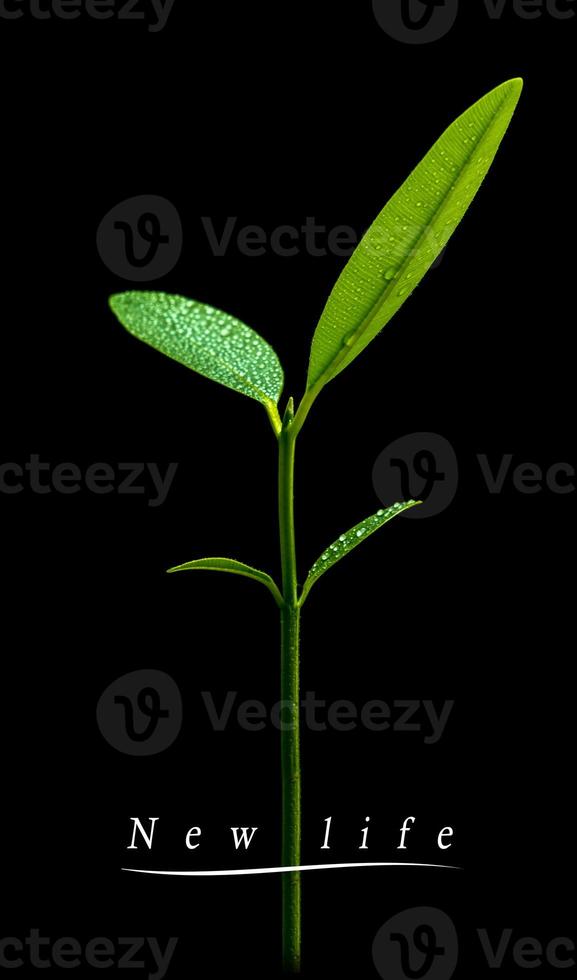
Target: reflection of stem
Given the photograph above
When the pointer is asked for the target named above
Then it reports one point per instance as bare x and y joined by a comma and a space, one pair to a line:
290, 736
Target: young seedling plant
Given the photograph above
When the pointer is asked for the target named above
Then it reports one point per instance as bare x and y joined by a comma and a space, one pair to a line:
389, 262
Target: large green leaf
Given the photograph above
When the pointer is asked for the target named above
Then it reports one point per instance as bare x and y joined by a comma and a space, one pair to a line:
213, 343
408, 235
231, 565
346, 542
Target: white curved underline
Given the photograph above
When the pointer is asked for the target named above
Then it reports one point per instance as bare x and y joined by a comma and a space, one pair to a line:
297, 867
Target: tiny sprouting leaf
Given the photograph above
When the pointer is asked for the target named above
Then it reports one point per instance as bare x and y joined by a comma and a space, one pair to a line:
409, 234
350, 539
204, 339
233, 566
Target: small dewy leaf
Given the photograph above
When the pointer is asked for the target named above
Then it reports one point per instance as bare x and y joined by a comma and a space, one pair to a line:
346, 542
409, 234
236, 567
204, 339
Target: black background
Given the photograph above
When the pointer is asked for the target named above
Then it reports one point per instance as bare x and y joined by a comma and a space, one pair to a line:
273, 114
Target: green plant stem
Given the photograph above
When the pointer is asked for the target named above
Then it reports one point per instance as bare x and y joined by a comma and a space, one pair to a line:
290, 696
291, 794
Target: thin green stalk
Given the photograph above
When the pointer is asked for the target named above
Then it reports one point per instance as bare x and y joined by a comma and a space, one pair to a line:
290, 696
291, 793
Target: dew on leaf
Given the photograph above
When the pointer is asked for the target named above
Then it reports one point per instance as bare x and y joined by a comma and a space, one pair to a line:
204, 339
